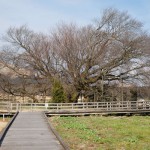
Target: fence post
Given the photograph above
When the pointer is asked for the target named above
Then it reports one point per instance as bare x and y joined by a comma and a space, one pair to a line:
107, 106
97, 104
46, 106
127, 105
83, 105
137, 105
130, 105
57, 106
3, 117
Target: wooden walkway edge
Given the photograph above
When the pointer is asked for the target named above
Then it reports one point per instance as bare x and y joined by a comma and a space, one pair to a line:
96, 112
30, 131
4, 131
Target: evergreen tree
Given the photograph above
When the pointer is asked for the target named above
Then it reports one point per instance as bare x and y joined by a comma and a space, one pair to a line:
58, 94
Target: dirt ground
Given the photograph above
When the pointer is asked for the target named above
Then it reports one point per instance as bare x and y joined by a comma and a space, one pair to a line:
2, 125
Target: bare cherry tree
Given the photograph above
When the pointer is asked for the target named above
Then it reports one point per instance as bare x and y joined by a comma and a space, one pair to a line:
21, 76
84, 59
113, 49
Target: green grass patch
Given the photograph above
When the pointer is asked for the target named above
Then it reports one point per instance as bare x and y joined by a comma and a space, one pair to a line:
104, 133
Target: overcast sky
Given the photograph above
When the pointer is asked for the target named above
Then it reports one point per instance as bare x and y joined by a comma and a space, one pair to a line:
43, 15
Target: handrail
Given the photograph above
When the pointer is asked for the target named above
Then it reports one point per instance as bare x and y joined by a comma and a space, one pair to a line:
79, 102
114, 105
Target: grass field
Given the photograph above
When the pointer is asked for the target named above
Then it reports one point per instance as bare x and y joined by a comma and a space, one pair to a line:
104, 133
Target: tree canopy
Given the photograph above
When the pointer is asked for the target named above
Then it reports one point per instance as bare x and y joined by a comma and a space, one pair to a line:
84, 59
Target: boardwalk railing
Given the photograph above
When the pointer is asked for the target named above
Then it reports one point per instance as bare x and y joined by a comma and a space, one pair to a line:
106, 106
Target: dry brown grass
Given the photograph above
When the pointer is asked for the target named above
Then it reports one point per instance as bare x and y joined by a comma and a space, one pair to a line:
3, 123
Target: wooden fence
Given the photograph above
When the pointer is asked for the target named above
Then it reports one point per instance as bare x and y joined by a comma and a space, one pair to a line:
102, 106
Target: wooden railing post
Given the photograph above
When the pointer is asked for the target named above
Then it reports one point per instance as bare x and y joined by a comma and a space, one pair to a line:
137, 105
97, 104
107, 106
57, 106
3, 117
127, 105
110, 105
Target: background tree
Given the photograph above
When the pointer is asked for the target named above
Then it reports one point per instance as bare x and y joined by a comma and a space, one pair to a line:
112, 50
134, 94
91, 58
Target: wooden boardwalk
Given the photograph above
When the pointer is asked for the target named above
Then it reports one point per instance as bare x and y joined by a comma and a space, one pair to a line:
30, 131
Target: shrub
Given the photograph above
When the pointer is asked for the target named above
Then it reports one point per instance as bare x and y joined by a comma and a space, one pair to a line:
58, 94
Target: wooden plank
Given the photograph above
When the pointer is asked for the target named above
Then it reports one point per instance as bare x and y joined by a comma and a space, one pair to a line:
30, 131
94, 112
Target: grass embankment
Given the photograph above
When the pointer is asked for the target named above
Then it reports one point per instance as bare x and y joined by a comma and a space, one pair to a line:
104, 133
